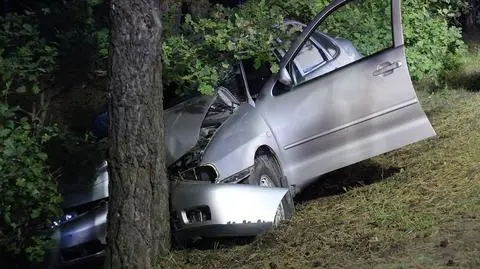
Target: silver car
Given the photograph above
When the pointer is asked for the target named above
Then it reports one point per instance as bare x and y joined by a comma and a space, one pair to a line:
237, 158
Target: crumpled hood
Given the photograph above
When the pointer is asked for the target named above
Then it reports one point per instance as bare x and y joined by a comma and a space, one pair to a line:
182, 126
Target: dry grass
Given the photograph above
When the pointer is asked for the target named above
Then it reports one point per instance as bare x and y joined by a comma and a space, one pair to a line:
417, 207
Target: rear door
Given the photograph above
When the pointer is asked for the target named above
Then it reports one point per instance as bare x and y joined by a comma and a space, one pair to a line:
363, 107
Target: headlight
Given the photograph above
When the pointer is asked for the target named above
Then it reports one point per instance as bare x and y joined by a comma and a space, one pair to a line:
204, 173
66, 218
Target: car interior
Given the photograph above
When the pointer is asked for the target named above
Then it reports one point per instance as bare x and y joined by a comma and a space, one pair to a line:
256, 77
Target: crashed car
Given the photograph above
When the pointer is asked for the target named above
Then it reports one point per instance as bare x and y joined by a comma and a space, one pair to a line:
237, 158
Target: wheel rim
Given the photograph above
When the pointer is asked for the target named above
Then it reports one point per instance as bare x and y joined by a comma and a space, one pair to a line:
265, 181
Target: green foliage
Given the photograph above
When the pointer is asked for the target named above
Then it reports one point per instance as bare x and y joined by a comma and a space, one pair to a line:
306, 10
51, 41
202, 55
451, 10
198, 57
29, 194
25, 57
172, 17
102, 40
432, 44
302, 11
369, 34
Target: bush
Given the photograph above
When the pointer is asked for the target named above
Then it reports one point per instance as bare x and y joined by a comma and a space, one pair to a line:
432, 46
25, 58
29, 194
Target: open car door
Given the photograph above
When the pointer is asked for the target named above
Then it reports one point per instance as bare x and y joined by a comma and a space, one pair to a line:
365, 106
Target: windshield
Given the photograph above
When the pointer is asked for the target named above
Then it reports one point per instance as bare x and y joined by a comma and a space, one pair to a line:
233, 82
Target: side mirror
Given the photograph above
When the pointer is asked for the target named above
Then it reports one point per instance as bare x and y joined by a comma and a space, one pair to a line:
285, 77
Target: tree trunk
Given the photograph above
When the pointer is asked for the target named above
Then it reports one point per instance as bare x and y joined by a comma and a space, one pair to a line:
470, 23
138, 230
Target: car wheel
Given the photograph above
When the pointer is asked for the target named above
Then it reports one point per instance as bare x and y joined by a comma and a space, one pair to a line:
267, 173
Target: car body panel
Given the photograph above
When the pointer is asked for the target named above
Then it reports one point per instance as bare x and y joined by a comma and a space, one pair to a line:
246, 131
313, 125
88, 227
238, 139
227, 202
182, 126
328, 122
345, 116
230, 215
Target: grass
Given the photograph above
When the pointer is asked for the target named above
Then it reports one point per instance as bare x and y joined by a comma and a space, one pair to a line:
417, 207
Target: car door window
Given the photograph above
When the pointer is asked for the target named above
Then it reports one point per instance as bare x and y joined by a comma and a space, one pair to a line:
348, 36
309, 59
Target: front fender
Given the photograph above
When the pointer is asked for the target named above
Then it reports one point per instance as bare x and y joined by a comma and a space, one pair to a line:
233, 147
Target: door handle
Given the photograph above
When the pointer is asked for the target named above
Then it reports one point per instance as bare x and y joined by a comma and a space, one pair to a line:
386, 68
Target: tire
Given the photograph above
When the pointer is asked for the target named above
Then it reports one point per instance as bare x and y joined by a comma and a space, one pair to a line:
267, 173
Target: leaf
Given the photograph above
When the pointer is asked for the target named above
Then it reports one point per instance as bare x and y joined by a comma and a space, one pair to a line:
21, 89
205, 89
257, 63
20, 182
6, 217
230, 45
46, 10
28, 27
35, 89
4, 132
274, 68
35, 213
42, 156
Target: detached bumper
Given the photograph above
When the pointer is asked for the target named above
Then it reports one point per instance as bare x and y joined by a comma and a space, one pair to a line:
198, 210
223, 210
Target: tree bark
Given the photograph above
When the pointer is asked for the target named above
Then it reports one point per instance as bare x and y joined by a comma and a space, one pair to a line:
470, 23
138, 230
